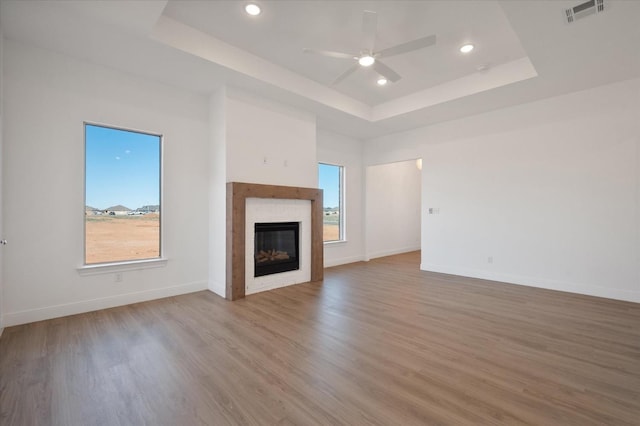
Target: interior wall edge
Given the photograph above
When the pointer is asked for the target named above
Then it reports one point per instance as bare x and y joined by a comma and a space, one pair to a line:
548, 284
343, 261
50, 312
376, 254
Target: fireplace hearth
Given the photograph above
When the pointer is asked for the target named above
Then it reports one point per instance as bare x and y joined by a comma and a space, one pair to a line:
276, 248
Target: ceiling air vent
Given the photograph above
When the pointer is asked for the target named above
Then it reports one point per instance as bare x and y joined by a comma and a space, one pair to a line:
583, 10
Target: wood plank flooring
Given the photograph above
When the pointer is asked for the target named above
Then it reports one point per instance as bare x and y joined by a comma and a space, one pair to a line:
378, 343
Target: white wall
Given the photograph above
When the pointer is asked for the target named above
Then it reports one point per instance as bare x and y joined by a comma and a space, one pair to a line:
258, 130
549, 190
345, 151
392, 209
217, 193
47, 98
1, 175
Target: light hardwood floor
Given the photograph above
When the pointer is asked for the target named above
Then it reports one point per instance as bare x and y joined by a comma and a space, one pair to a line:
377, 343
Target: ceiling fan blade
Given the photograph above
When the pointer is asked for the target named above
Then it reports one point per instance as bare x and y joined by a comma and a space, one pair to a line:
408, 46
329, 53
345, 74
369, 28
386, 72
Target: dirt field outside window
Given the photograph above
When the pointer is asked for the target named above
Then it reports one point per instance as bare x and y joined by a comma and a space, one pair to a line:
121, 238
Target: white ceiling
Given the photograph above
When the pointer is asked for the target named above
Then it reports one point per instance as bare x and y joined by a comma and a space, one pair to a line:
528, 48
281, 32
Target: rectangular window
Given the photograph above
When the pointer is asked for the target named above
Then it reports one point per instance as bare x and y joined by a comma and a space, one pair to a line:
122, 195
330, 179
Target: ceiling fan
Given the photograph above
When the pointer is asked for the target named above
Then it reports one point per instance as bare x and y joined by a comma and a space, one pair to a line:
368, 56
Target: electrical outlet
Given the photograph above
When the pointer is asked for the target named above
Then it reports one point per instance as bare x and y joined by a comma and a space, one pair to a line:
490, 259
118, 277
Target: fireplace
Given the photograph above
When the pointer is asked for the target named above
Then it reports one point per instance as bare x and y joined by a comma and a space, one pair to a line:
276, 248
251, 203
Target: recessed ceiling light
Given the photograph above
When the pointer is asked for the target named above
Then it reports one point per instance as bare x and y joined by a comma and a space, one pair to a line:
366, 60
382, 81
252, 9
467, 48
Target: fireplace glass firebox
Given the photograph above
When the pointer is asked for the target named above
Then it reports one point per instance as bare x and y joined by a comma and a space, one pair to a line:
276, 247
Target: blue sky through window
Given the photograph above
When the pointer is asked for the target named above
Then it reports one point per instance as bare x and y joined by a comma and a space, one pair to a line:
122, 167
329, 181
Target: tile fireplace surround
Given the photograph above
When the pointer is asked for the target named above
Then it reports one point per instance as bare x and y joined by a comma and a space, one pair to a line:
237, 194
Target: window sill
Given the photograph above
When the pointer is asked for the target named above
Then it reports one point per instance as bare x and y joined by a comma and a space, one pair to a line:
330, 243
134, 265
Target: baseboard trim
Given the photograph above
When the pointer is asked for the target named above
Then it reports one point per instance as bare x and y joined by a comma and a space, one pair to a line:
384, 253
49, 312
217, 289
587, 290
342, 261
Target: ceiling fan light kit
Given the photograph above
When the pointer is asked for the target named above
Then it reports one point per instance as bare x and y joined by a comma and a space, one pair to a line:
366, 60
371, 57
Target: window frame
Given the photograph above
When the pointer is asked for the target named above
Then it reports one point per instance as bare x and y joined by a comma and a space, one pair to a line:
342, 234
127, 264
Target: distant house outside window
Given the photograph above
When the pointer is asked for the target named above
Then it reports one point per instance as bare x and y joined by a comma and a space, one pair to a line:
331, 181
122, 195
